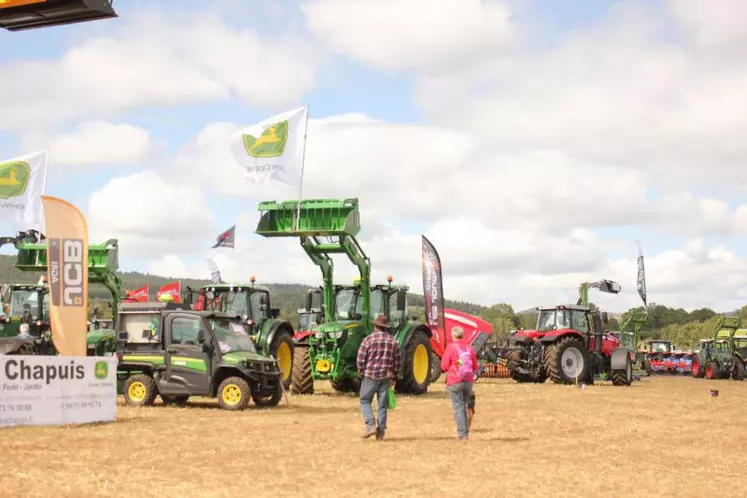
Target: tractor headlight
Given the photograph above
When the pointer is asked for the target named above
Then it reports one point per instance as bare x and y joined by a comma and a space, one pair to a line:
318, 334
335, 335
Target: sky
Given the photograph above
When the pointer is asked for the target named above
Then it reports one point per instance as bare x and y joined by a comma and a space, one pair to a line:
533, 142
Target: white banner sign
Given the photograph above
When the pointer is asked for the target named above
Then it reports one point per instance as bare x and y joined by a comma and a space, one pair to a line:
57, 390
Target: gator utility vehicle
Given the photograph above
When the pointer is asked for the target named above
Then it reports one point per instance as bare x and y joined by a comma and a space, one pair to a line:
326, 227
19, 15
272, 335
169, 350
720, 358
570, 345
32, 257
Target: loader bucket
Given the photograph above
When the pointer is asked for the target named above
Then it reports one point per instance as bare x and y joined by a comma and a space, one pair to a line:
19, 15
317, 217
33, 257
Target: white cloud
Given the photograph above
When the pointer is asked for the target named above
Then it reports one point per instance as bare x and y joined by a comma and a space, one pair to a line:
95, 143
150, 215
156, 59
404, 34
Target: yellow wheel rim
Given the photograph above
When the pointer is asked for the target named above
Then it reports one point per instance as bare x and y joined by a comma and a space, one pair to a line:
420, 364
284, 359
231, 394
137, 391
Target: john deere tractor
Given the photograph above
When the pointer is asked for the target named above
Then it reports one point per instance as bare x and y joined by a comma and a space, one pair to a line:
272, 335
32, 257
326, 227
720, 358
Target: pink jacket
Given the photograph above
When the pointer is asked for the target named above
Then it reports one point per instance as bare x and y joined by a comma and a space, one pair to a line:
450, 358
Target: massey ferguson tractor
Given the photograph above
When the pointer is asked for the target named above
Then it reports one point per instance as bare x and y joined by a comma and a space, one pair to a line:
570, 345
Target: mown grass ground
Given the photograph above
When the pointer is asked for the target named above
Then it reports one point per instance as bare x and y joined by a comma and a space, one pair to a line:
663, 437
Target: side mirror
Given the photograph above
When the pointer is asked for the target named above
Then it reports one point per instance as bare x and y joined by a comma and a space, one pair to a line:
401, 299
605, 317
309, 300
275, 312
201, 337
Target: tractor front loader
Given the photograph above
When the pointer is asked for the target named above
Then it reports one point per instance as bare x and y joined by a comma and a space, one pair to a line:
326, 227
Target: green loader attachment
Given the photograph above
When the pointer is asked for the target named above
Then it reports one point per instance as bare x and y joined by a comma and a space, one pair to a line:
326, 227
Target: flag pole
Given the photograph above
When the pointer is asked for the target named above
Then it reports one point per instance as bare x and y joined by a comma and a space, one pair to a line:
44, 191
303, 160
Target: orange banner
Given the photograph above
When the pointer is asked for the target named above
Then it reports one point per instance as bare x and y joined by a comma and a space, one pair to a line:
6, 4
67, 266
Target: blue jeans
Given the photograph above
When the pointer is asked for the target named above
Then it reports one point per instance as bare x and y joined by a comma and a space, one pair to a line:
460, 394
369, 387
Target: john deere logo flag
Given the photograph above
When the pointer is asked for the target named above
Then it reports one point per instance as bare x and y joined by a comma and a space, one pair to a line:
101, 370
22, 182
273, 148
226, 239
67, 264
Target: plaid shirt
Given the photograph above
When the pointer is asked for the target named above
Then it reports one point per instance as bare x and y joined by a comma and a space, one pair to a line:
379, 357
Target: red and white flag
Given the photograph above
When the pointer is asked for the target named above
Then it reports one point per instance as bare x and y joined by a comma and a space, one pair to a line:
174, 289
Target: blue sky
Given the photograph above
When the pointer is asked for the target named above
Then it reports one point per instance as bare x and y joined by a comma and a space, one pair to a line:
350, 82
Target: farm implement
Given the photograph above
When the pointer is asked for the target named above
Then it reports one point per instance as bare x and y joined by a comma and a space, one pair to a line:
664, 358
272, 335
34, 299
723, 356
326, 227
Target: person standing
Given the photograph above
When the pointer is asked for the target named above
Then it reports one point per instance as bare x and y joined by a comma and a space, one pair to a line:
460, 363
379, 361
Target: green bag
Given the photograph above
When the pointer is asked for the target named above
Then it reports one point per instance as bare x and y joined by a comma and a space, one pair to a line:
391, 399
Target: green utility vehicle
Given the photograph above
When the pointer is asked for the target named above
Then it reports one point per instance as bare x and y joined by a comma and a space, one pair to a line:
169, 350
32, 257
326, 227
720, 358
273, 336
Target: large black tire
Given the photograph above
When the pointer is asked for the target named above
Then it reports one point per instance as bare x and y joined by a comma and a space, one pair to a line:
282, 349
347, 385
697, 369
175, 399
271, 400
623, 377
712, 371
416, 376
435, 368
302, 378
514, 356
738, 371
234, 393
576, 355
140, 390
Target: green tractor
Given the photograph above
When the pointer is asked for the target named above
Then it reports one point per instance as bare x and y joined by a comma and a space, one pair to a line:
32, 257
326, 227
272, 335
721, 358
630, 336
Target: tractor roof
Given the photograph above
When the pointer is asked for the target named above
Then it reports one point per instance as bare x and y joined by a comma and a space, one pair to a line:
151, 307
27, 286
236, 287
572, 307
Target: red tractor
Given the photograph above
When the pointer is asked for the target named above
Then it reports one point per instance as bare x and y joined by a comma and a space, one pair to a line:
569, 345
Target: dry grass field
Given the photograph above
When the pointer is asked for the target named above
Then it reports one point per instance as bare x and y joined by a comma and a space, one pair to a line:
547, 440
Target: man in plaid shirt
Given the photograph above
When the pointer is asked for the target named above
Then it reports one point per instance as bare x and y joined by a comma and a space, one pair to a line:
379, 360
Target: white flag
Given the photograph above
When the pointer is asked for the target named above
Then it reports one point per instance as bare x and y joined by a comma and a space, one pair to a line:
214, 271
273, 148
22, 183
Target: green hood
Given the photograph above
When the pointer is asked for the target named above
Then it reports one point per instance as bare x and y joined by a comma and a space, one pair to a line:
339, 325
96, 336
234, 357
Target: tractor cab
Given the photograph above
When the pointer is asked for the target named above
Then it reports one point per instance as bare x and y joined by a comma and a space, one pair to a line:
658, 346
24, 304
249, 302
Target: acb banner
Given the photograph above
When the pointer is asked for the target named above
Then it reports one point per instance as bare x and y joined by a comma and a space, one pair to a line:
67, 265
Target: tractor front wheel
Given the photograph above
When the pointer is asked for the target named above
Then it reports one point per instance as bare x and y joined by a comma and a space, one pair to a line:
347, 385
567, 360
140, 390
282, 350
417, 365
234, 393
623, 377
712, 370
302, 376
738, 372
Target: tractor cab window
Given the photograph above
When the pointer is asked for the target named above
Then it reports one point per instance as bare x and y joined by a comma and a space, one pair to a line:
232, 335
580, 322
378, 303
260, 301
22, 301
346, 304
45, 305
660, 347
553, 320
234, 303
395, 316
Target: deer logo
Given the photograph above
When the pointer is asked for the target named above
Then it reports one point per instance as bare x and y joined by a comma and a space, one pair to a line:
14, 178
271, 143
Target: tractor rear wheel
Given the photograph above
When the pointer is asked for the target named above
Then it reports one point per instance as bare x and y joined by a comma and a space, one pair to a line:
738, 372
140, 390
282, 350
623, 377
302, 377
234, 393
567, 360
417, 365
698, 370
712, 370
435, 368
